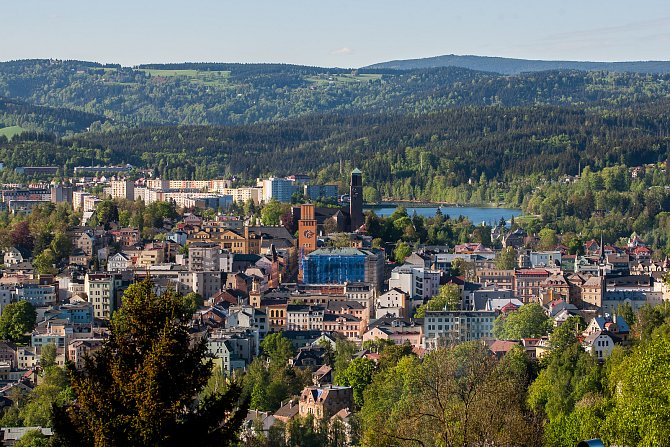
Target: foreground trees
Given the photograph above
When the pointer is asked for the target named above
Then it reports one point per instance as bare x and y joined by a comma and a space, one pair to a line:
459, 396
140, 388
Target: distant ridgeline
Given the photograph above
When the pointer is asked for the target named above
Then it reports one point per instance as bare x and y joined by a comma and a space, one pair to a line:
222, 94
505, 65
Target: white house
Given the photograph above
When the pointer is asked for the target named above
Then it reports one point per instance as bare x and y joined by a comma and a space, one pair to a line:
600, 344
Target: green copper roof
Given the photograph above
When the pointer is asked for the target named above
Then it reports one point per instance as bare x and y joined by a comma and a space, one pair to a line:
356, 171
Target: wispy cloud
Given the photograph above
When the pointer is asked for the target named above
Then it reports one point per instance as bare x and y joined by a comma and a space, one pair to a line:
596, 40
344, 51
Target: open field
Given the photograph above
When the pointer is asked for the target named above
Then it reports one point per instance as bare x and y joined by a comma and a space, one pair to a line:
211, 78
10, 131
341, 79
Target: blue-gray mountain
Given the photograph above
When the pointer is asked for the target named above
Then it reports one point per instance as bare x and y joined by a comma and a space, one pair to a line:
510, 66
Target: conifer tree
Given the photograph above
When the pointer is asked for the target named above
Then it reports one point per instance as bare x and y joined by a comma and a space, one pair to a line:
140, 388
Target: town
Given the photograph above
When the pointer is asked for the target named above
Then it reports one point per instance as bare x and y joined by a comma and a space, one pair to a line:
291, 261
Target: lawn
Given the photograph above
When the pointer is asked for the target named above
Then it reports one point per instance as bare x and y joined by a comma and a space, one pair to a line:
343, 79
210, 78
9, 132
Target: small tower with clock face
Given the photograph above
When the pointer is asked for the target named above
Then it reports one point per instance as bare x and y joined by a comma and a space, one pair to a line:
306, 234
307, 229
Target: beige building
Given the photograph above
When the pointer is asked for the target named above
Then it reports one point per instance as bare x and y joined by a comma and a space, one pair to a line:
102, 290
326, 401
122, 189
592, 292
78, 349
394, 302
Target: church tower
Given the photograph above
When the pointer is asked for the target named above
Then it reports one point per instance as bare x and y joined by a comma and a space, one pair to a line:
356, 200
307, 229
306, 234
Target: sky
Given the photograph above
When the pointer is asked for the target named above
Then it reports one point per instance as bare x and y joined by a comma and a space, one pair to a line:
342, 33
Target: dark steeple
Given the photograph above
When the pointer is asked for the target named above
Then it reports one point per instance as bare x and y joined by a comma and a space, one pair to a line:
356, 197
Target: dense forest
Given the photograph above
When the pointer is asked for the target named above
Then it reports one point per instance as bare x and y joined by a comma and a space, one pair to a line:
217, 94
59, 120
403, 155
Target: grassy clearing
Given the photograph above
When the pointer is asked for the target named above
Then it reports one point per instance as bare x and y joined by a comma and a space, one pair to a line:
10, 131
210, 78
343, 79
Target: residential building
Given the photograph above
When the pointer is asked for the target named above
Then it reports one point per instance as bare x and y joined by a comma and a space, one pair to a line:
78, 349
442, 327
205, 284
279, 189
304, 318
104, 292
600, 344
502, 279
541, 259
209, 257
417, 282
39, 295
118, 263
528, 284
324, 402
394, 302
397, 330
122, 189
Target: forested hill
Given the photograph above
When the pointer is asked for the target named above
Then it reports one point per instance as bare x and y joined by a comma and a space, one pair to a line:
402, 155
512, 66
20, 116
223, 94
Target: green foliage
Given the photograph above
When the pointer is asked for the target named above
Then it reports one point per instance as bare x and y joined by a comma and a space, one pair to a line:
649, 318
48, 355
277, 348
371, 195
273, 211
269, 380
529, 321
139, 388
53, 390
401, 251
641, 414
193, 301
449, 298
33, 438
44, 262
107, 212
357, 375
344, 352
61, 245
506, 259
548, 239
569, 376
377, 345
566, 334
455, 396
16, 320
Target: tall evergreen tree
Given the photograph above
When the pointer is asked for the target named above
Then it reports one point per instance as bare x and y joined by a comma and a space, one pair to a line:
140, 389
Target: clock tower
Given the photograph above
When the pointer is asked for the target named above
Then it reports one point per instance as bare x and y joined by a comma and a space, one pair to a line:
307, 229
306, 234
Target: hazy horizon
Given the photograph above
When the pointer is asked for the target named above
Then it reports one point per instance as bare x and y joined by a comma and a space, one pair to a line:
334, 66
344, 34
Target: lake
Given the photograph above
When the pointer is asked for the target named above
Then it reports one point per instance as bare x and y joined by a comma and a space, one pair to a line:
476, 214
